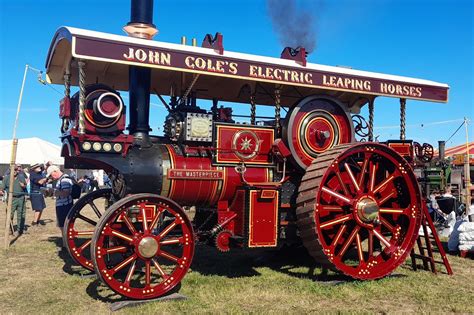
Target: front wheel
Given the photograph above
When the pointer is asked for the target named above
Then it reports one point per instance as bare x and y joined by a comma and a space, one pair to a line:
143, 246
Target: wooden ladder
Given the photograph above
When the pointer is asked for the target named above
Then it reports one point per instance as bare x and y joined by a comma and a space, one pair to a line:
429, 263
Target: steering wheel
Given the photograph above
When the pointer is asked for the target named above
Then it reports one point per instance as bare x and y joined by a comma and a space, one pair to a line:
361, 127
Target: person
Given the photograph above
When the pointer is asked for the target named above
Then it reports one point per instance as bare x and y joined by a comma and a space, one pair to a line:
37, 180
62, 192
18, 200
448, 192
95, 180
72, 174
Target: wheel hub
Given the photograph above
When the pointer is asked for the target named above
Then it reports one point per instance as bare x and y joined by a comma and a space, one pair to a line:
148, 247
367, 210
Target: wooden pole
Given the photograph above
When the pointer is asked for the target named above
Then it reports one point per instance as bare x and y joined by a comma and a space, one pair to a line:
467, 174
12, 164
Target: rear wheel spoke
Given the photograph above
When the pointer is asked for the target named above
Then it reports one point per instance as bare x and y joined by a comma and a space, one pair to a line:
381, 238
120, 235
384, 183
337, 220
359, 248
170, 241
348, 242
147, 273
341, 230
341, 182
352, 177
84, 246
336, 195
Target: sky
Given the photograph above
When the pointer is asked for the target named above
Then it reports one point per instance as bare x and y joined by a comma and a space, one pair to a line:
423, 39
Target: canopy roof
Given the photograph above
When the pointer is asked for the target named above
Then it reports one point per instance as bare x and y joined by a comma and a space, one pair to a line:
228, 76
459, 149
31, 151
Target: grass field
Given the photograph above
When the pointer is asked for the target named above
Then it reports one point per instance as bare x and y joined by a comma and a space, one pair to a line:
35, 279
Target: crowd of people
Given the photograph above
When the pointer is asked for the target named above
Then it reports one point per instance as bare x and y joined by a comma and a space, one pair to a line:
35, 182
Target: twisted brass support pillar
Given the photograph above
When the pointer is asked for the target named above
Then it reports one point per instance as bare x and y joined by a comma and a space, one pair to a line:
403, 103
371, 119
82, 96
67, 94
277, 109
253, 109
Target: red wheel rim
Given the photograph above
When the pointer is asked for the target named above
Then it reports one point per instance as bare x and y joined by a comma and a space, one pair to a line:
143, 246
368, 211
80, 224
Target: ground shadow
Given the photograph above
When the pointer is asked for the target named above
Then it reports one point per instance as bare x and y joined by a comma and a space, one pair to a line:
70, 266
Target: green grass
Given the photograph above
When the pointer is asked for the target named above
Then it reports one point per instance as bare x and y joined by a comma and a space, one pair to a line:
34, 279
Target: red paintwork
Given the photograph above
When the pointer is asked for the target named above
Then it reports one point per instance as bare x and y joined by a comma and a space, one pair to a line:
263, 219
195, 191
231, 148
65, 107
313, 126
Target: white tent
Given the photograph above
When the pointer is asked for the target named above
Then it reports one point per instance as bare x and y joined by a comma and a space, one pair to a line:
31, 151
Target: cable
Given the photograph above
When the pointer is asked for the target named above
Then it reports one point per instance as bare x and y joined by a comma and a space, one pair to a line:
456, 131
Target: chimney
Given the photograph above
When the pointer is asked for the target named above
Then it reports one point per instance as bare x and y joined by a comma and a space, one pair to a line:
441, 147
141, 26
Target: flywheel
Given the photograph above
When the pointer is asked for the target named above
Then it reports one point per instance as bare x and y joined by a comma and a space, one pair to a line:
359, 209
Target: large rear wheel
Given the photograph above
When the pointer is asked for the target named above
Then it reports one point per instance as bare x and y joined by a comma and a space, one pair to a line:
359, 209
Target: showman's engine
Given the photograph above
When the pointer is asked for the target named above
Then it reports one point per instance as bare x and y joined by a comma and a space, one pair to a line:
355, 205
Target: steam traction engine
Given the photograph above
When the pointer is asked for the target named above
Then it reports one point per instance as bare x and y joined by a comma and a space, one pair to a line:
355, 206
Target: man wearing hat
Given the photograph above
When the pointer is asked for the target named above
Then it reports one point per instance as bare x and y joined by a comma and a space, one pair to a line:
62, 193
18, 201
37, 180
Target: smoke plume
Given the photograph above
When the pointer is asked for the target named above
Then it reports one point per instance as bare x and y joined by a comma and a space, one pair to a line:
294, 22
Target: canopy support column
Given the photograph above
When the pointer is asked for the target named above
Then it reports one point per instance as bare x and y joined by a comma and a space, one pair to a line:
403, 103
277, 109
371, 119
67, 95
253, 109
82, 96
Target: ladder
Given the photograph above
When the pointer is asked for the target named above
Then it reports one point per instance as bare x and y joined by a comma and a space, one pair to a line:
429, 262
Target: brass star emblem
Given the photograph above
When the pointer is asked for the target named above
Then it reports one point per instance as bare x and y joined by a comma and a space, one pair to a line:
245, 144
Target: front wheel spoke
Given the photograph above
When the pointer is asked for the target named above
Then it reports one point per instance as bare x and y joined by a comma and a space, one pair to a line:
96, 210
145, 220
381, 238
168, 229
84, 233
86, 219
120, 235
384, 183
348, 242
359, 248
147, 273
174, 240
158, 267
155, 219
335, 221
129, 224
169, 256
84, 246
130, 272
336, 195
352, 177
124, 263
116, 249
